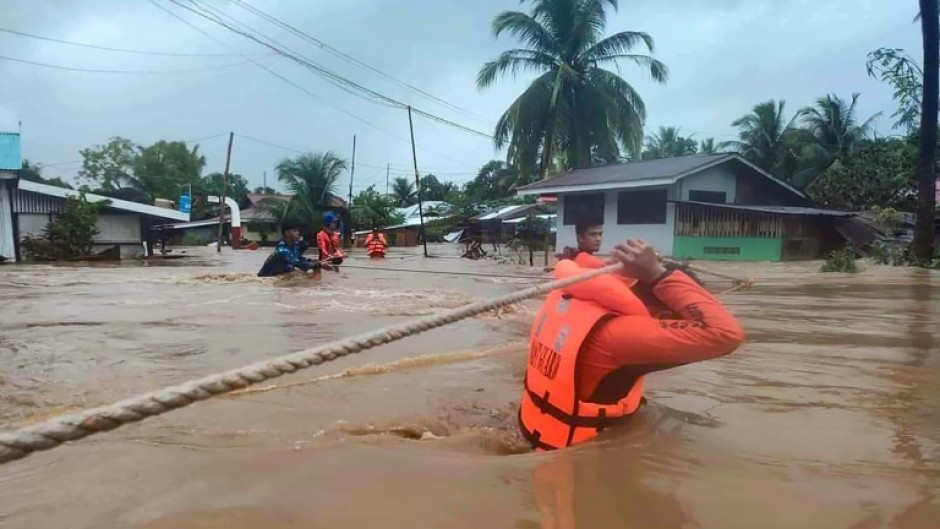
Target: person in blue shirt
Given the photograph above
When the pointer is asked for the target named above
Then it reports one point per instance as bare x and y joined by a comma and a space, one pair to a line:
287, 256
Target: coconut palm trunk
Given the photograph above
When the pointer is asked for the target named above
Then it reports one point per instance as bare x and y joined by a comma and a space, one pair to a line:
923, 246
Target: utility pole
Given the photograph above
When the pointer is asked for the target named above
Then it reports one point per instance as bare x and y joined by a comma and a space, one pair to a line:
387, 168
265, 187
228, 160
414, 156
352, 172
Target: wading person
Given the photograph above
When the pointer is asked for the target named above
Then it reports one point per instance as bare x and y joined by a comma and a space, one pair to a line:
376, 245
590, 235
592, 343
328, 242
287, 256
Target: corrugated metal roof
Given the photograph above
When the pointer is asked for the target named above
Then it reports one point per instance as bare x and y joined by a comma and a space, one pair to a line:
781, 210
11, 154
629, 172
124, 205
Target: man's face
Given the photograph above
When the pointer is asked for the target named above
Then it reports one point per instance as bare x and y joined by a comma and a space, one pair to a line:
291, 235
590, 240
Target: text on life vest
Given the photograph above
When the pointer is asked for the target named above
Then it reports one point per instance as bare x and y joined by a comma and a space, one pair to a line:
544, 359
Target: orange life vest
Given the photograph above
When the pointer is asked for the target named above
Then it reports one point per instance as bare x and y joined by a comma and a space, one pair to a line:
375, 245
551, 415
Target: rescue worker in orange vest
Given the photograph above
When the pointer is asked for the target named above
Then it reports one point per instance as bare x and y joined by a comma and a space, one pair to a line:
592, 343
376, 245
328, 242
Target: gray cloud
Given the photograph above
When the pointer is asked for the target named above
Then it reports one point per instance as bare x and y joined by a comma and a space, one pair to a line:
724, 56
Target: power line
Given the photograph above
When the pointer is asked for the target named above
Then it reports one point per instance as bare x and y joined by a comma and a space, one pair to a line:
143, 72
347, 57
279, 76
118, 50
336, 79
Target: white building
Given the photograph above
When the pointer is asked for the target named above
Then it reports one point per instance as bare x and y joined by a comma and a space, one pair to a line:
717, 206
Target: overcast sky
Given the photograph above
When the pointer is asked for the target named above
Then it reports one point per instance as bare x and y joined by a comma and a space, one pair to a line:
724, 56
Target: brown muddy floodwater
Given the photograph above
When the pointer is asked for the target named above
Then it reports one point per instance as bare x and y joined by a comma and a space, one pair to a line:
828, 418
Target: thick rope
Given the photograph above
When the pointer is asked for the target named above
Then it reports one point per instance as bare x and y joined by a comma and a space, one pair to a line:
47, 435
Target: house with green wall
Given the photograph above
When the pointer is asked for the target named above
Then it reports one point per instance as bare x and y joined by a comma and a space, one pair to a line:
710, 207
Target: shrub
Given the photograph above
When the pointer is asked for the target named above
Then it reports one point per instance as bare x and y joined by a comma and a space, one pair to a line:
841, 260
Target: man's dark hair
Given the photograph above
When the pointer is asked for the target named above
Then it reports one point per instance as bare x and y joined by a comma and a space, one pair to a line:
582, 226
288, 226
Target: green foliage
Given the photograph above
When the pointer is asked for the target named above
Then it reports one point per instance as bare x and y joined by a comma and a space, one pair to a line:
108, 167
435, 231
884, 253
574, 105
33, 173
311, 180
71, 234
263, 190
434, 189
842, 260
493, 182
888, 219
370, 208
194, 239
403, 192
236, 187
879, 173
904, 74
667, 143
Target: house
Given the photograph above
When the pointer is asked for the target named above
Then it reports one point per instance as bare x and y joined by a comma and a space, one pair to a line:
501, 224
406, 233
715, 207
26, 208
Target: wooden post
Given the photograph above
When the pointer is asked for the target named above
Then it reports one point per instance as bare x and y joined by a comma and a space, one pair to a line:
414, 155
228, 160
352, 174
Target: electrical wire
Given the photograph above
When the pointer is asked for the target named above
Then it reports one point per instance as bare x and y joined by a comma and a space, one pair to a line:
106, 48
138, 72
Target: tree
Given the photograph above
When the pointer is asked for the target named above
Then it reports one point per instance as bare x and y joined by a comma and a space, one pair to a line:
492, 182
434, 189
33, 173
879, 173
901, 71
371, 209
403, 192
667, 143
833, 126
923, 245
161, 169
264, 190
311, 179
768, 139
574, 106
707, 146
236, 187
108, 167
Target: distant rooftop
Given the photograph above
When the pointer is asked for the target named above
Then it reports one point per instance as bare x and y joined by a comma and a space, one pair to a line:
11, 154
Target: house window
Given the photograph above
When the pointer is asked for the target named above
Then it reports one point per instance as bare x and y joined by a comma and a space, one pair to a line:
589, 207
641, 207
712, 197
722, 250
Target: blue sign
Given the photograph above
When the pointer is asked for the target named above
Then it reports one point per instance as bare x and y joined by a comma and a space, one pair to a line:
186, 203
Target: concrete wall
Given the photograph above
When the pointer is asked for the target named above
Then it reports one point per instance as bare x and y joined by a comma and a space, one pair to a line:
720, 178
659, 235
118, 228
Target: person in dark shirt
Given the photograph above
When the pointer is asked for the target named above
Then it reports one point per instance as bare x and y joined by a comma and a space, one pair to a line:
288, 255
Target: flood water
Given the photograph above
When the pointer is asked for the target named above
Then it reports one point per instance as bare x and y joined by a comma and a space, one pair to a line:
829, 416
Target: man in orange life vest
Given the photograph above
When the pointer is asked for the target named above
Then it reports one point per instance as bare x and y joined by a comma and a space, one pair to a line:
328, 242
376, 244
592, 343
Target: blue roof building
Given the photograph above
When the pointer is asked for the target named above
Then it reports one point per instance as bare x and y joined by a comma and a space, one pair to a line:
11, 154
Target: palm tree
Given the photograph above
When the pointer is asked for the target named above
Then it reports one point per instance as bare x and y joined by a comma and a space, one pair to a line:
667, 143
574, 106
403, 192
834, 126
311, 180
767, 139
923, 245
707, 146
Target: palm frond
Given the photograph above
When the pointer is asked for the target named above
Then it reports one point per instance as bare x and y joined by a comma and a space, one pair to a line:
513, 62
527, 29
